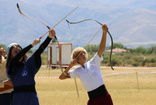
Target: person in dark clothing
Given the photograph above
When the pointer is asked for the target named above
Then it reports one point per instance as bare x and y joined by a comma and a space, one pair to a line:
22, 69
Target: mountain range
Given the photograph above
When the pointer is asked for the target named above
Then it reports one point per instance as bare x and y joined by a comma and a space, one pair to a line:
131, 22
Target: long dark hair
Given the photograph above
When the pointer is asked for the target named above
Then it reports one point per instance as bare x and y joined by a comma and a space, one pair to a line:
10, 54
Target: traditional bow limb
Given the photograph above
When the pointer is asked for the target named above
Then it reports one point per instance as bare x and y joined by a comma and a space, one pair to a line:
111, 49
83, 21
61, 20
47, 26
55, 38
88, 43
42, 21
94, 36
28, 16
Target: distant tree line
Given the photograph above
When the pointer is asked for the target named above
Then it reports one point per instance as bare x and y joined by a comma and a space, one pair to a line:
139, 56
5, 48
141, 50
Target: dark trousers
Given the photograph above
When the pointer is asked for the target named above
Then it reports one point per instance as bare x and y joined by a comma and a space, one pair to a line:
101, 100
5, 99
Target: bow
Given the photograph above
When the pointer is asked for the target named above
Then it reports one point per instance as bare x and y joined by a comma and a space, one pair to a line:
48, 31
42, 21
95, 35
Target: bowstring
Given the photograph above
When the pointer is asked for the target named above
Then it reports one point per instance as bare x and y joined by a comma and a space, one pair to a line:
107, 31
56, 37
80, 54
27, 24
74, 77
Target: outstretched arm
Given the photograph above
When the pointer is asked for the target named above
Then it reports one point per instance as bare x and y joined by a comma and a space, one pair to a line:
21, 54
17, 57
103, 40
65, 73
45, 43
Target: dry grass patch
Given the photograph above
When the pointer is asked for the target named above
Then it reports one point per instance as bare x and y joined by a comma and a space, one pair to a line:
123, 88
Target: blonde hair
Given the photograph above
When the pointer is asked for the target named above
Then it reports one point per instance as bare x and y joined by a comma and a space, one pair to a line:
77, 51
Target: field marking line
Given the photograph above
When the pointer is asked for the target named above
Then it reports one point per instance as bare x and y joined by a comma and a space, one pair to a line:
150, 72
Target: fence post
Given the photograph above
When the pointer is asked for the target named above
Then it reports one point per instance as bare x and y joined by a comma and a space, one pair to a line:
137, 81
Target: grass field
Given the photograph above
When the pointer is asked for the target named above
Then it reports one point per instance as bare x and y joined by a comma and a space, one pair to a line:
123, 88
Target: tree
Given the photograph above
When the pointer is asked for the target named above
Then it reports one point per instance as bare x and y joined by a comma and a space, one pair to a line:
91, 48
117, 45
151, 50
54, 40
140, 49
4, 46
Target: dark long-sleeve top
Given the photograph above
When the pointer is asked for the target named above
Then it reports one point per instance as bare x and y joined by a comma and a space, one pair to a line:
23, 75
29, 68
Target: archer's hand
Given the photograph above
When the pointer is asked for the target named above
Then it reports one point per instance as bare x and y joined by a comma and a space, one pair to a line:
36, 41
73, 62
52, 33
104, 28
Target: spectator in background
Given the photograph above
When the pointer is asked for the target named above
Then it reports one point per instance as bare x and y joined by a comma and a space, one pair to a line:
6, 87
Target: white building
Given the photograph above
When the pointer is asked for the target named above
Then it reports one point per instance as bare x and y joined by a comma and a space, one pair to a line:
54, 56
